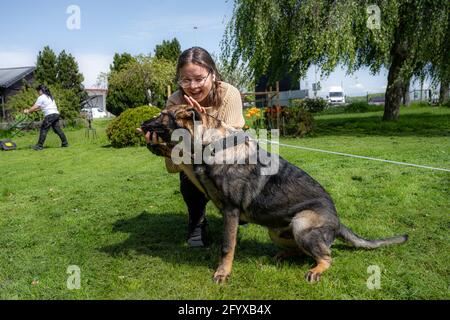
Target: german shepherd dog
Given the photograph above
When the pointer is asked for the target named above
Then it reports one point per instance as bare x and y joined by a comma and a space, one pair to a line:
296, 209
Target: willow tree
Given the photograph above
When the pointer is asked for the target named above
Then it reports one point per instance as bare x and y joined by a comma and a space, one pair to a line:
439, 67
275, 37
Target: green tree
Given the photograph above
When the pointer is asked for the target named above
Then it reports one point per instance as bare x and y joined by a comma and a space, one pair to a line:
275, 37
169, 50
238, 76
68, 75
142, 82
61, 74
46, 67
120, 61
439, 68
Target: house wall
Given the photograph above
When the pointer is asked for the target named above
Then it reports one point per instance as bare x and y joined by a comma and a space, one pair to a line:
99, 101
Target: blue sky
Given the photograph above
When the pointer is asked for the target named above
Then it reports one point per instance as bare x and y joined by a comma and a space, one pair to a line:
134, 26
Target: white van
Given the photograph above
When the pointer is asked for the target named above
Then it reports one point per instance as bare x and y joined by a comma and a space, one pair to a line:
336, 95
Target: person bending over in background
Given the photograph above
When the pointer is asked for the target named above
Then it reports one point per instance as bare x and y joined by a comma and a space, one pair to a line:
47, 105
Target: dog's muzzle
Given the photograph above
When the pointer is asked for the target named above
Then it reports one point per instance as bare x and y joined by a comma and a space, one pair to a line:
154, 126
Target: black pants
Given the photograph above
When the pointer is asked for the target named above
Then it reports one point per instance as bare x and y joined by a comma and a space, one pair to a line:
52, 121
195, 200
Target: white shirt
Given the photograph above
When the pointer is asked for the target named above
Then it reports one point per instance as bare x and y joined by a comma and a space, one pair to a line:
47, 105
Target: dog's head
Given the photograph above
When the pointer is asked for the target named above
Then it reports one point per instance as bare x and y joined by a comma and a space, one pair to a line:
170, 119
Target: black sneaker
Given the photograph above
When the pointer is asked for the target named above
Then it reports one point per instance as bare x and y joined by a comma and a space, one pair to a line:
197, 236
37, 147
65, 145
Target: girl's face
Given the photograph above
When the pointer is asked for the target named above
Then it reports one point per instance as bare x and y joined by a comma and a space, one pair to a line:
196, 81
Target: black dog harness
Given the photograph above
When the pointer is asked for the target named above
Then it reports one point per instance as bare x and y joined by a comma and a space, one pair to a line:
230, 141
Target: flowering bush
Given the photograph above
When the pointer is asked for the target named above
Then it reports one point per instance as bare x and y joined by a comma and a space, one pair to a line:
253, 118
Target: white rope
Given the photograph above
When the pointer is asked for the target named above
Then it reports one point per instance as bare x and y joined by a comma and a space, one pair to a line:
360, 157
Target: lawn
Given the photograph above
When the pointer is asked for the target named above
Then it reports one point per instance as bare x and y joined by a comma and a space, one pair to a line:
119, 217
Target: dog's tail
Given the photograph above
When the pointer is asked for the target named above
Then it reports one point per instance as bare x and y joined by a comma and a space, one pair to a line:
351, 237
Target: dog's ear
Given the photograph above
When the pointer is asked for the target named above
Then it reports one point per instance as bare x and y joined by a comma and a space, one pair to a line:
195, 114
189, 114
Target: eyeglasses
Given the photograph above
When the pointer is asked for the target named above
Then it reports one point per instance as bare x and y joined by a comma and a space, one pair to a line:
185, 83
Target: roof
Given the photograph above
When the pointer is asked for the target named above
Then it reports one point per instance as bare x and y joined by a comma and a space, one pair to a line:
9, 76
96, 90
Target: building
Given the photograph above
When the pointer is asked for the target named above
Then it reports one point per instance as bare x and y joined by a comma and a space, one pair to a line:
96, 103
289, 89
12, 81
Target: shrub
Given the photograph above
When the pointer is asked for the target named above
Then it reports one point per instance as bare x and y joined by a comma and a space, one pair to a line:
315, 105
362, 106
67, 101
311, 105
22, 100
121, 131
358, 106
298, 122
419, 104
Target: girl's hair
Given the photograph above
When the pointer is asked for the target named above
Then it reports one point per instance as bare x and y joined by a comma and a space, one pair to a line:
201, 57
45, 90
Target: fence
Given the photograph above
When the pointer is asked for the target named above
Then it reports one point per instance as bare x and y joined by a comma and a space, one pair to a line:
428, 95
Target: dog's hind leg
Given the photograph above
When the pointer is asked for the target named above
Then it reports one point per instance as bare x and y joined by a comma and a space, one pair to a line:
284, 239
231, 225
287, 253
314, 235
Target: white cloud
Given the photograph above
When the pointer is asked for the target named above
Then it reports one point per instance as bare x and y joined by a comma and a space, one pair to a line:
358, 86
11, 59
91, 65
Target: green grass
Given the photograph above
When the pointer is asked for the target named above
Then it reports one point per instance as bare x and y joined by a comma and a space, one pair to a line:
363, 98
117, 215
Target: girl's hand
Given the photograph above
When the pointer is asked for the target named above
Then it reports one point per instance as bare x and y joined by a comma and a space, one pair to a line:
149, 137
193, 103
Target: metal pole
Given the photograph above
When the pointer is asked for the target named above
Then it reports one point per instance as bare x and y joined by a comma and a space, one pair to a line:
277, 85
3, 107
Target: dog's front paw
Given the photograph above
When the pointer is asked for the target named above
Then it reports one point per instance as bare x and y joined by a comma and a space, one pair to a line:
221, 276
313, 276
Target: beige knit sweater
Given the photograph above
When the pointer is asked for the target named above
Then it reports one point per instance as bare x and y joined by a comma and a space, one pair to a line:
229, 112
